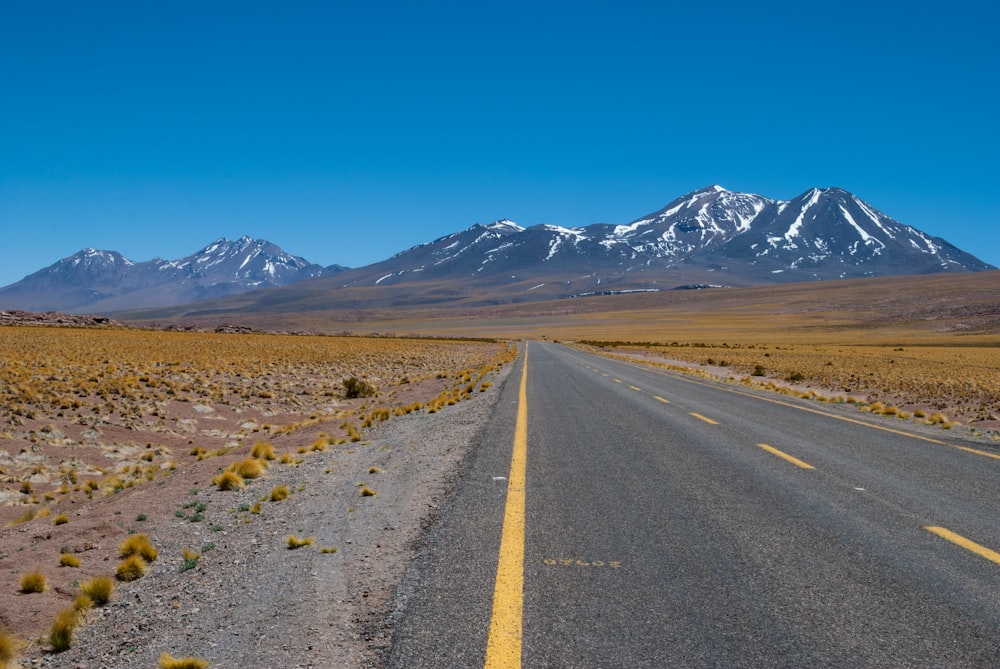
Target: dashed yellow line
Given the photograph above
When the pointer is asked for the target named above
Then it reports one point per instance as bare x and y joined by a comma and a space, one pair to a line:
660, 399
617, 380
795, 461
968, 545
707, 420
503, 646
636, 388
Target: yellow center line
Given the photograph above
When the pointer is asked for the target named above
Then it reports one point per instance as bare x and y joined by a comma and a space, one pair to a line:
968, 545
617, 380
707, 420
637, 389
795, 461
660, 399
503, 647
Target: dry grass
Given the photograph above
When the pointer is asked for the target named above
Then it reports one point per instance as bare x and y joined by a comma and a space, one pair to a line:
279, 493
95, 414
68, 560
99, 589
130, 569
61, 632
167, 661
228, 480
10, 646
294, 542
138, 545
33, 582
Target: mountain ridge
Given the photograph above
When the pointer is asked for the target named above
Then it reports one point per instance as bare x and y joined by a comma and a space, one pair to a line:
708, 237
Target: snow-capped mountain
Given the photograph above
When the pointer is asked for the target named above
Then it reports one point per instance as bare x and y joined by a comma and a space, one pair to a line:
95, 281
710, 236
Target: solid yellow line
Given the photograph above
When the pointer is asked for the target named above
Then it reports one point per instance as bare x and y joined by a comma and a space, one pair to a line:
977, 451
503, 647
795, 461
660, 399
707, 420
982, 551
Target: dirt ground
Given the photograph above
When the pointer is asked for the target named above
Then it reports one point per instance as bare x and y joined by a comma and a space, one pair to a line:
225, 586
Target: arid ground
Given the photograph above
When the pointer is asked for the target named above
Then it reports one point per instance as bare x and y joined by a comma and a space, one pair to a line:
110, 432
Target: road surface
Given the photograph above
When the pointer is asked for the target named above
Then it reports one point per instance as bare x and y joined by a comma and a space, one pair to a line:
643, 518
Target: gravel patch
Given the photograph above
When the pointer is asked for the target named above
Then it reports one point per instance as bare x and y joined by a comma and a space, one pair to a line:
249, 600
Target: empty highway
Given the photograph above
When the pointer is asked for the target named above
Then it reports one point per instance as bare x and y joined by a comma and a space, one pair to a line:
616, 515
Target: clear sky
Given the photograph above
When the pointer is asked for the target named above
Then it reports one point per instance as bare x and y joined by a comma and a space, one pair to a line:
346, 131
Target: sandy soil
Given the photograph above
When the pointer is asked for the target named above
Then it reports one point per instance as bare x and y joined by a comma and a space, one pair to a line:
247, 600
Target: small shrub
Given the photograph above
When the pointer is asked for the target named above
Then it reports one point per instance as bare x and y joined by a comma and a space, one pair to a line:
10, 646
279, 493
61, 632
141, 517
131, 568
250, 468
82, 603
138, 544
99, 589
368, 492
33, 582
329, 549
190, 560
758, 370
262, 450
355, 387
68, 560
61, 519
167, 661
228, 481
796, 376
294, 542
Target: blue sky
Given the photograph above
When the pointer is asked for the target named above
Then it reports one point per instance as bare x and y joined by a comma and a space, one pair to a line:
345, 132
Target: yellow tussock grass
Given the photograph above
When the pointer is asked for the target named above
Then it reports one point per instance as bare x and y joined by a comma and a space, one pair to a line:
131, 568
33, 582
167, 661
99, 589
139, 544
294, 542
10, 646
68, 560
61, 632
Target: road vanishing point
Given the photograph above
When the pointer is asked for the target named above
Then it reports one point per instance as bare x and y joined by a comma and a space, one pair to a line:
620, 515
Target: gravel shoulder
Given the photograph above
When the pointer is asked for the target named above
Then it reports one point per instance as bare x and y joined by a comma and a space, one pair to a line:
250, 600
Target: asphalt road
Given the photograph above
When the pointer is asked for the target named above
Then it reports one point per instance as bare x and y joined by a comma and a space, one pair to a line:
674, 522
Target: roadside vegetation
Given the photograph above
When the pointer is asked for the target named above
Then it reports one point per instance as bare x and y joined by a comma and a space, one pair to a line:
931, 383
91, 419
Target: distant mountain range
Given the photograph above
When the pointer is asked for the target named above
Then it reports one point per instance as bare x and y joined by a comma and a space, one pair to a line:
105, 281
709, 237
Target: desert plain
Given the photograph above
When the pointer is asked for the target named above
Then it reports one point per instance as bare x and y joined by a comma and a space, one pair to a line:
105, 431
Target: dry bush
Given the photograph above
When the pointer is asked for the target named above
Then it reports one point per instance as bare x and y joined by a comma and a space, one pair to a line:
250, 468
99, 589
33, 582
167, 661
10, 646
61, 632
228, 480
68, 560
279, 493
263, 450
294, 542
138, 544
130, 569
